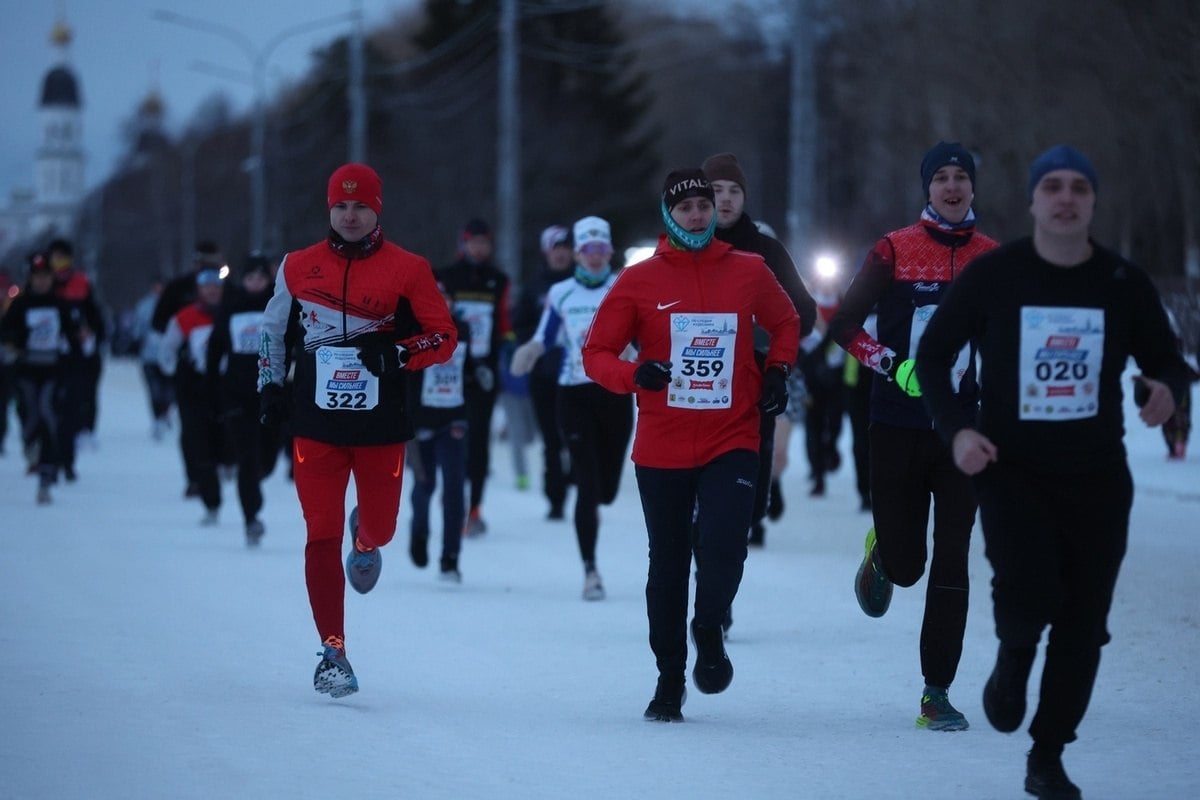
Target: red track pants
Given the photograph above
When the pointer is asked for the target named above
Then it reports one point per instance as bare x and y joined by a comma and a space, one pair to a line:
322, 473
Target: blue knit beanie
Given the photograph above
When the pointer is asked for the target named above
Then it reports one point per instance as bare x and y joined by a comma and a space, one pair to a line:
1062, 156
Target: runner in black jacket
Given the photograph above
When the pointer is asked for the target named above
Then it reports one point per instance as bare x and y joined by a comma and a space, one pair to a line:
232, 371
34, 333
480, 292
736, 227
1055, 318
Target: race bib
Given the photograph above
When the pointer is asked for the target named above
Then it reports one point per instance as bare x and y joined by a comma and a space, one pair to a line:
478, 316
920, 321
702, 355
343, 383
245, 332
1059, 368
45, 328
442, 384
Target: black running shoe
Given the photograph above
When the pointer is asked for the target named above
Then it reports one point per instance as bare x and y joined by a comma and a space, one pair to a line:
418, 549
775, 501
713, 671
667, 704
1004, 692
871, 584
1045, 777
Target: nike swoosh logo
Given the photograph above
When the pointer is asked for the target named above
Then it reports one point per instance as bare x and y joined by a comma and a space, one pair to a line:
296, 452
664, 306
399, 466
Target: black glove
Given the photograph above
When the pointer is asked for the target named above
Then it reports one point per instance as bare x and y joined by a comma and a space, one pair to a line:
272, 405
653, 376
1141, 392
774, 398
382, 357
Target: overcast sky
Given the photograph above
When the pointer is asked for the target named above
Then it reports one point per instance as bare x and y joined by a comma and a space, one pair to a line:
120, 52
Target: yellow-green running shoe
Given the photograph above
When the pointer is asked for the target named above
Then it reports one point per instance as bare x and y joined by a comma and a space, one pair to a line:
937, 714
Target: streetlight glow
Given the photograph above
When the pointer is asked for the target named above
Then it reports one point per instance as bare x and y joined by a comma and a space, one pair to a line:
826, 266
635, 254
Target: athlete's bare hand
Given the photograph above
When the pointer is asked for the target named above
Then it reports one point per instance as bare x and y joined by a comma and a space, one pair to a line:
972, 451
1160, 403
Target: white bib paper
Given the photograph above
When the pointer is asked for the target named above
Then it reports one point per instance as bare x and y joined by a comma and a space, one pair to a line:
920, 320
702, 358
1059, 370
343, 383
478, 316
442, 384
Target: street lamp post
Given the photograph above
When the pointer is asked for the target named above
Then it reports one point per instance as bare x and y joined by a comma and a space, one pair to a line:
258, 57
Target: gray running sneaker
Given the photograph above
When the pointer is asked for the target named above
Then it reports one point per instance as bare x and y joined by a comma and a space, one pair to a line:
475, 526
362, 569
593, 587
254, 532
334, 676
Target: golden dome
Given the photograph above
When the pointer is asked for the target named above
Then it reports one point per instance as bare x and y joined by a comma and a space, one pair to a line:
61, 35
153, 103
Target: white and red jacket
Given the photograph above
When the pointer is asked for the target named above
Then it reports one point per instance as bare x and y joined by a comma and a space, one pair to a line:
186, 336
340, 300
698, 311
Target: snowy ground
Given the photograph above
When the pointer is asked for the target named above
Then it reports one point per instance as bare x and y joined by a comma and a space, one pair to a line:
151, 658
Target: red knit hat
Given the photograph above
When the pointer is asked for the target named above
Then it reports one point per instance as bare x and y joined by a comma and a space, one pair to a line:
355, 182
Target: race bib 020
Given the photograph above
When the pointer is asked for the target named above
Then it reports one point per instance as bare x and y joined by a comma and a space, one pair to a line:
1059, 362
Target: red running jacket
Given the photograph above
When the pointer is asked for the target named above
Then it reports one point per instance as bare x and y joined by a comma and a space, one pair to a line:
338, 304
696, 310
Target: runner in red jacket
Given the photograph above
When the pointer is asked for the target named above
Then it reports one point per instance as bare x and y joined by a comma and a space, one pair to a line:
691, 310
368, 312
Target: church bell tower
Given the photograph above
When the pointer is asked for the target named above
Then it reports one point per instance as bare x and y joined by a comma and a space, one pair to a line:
58, 185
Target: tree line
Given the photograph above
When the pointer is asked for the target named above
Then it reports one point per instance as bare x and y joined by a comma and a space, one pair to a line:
614, 95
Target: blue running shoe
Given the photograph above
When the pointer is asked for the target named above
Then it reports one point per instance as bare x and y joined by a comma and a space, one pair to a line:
362, 569
334, 676
937, 714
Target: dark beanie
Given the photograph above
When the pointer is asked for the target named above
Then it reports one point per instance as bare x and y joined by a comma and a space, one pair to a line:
60, 246
475, 227
724, 167
207, 252
1062, 156
684, 183
944, 154
256, 262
